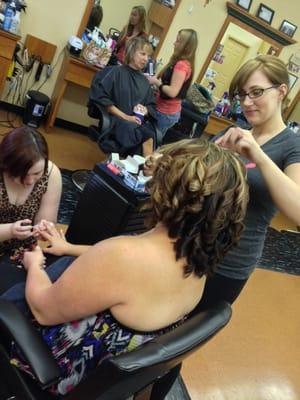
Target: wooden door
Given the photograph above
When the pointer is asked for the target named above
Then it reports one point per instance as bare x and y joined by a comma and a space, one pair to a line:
234, 53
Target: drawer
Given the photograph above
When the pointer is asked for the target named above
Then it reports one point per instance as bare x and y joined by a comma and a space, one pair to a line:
7, 46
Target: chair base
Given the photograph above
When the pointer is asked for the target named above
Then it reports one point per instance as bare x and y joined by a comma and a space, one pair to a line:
80, 178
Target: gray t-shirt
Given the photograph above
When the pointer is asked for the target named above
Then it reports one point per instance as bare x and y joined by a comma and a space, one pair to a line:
283, 149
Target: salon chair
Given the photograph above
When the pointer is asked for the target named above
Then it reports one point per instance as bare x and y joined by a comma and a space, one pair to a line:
102, 133
191, 125
129, 375
193, 121
195, 112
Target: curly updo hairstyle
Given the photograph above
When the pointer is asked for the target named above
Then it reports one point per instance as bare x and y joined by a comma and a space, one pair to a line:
199, 192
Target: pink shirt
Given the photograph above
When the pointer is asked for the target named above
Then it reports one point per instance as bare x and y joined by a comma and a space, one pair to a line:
121, 50
172, 106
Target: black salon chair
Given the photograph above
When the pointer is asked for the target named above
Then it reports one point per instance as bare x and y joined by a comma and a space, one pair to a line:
193, 122
130, 375
194, 117
102, 134
191, 125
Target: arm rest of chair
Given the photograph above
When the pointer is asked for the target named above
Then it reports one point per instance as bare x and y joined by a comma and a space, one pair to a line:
15, 326
184, 339
97, 111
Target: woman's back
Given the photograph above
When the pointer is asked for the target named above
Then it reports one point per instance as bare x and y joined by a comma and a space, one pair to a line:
157, 293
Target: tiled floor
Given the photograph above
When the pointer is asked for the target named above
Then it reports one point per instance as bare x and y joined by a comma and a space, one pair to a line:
257, 356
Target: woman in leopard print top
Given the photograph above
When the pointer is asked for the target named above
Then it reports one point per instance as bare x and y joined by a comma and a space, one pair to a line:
30, 187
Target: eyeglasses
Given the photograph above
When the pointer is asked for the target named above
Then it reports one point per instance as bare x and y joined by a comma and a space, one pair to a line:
254, 93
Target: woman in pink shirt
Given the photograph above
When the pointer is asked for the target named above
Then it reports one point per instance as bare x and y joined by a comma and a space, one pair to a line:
175, 78
135, 27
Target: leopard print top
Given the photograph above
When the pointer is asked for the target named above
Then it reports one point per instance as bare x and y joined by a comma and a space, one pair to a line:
11, 212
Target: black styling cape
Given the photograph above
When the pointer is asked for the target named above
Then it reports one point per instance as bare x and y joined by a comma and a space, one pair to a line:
124, 88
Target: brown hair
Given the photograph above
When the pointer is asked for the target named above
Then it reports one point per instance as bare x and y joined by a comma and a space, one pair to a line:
187, 50
20, 149
128, 28
274, 69
134, 44
95, 18
199, 192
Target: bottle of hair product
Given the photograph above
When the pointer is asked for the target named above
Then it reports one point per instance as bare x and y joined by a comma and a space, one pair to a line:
15, 23
8, 16
219, 108
226, 104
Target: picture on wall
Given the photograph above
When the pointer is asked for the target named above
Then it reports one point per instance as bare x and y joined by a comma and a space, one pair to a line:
288, 28
295, 58
292, 79
265, 13
273, 51
246, 4
293, 67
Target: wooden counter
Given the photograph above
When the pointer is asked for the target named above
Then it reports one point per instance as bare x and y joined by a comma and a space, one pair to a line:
217, 124
73, 70
8, 43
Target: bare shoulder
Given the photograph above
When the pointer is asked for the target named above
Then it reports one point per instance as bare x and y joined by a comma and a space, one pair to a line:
55, 179
53, 171
119, 248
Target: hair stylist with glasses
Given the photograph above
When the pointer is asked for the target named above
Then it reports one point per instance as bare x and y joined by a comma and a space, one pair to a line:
271, 152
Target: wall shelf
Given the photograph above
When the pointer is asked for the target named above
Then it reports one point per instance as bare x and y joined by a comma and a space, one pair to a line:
261, 26
161, 17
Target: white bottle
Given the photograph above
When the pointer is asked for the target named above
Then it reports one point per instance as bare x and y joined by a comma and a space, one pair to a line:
15, 23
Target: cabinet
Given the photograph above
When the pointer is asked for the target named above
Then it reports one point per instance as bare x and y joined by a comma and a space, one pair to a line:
107, 207
8, 43
217, 124
161, 17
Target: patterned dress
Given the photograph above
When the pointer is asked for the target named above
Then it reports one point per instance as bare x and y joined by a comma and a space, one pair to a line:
11, 212
80, 346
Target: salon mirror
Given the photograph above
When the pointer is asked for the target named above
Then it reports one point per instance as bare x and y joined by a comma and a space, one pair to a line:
90, 9
234, 48
241, 37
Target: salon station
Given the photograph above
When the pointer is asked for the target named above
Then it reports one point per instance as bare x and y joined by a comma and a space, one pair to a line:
54, 57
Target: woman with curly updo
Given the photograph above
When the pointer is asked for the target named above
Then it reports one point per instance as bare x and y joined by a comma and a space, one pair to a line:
140, 286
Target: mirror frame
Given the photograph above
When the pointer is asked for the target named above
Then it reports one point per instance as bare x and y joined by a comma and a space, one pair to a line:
292, 106
85, 18
252, 24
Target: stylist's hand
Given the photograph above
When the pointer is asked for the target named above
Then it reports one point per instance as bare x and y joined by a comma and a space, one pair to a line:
153, 80
34, 259
21, 229
56, 239
242, 141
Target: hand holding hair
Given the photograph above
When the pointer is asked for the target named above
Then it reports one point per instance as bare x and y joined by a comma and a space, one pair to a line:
243, 142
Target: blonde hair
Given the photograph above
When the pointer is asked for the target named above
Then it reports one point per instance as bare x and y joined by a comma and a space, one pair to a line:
128, 28
273, 68
187, 50
134, 44
199, 192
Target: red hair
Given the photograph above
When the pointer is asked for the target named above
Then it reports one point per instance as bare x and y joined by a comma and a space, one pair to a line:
20, 149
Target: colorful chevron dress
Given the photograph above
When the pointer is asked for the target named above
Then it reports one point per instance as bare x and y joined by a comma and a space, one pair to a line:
80, 346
